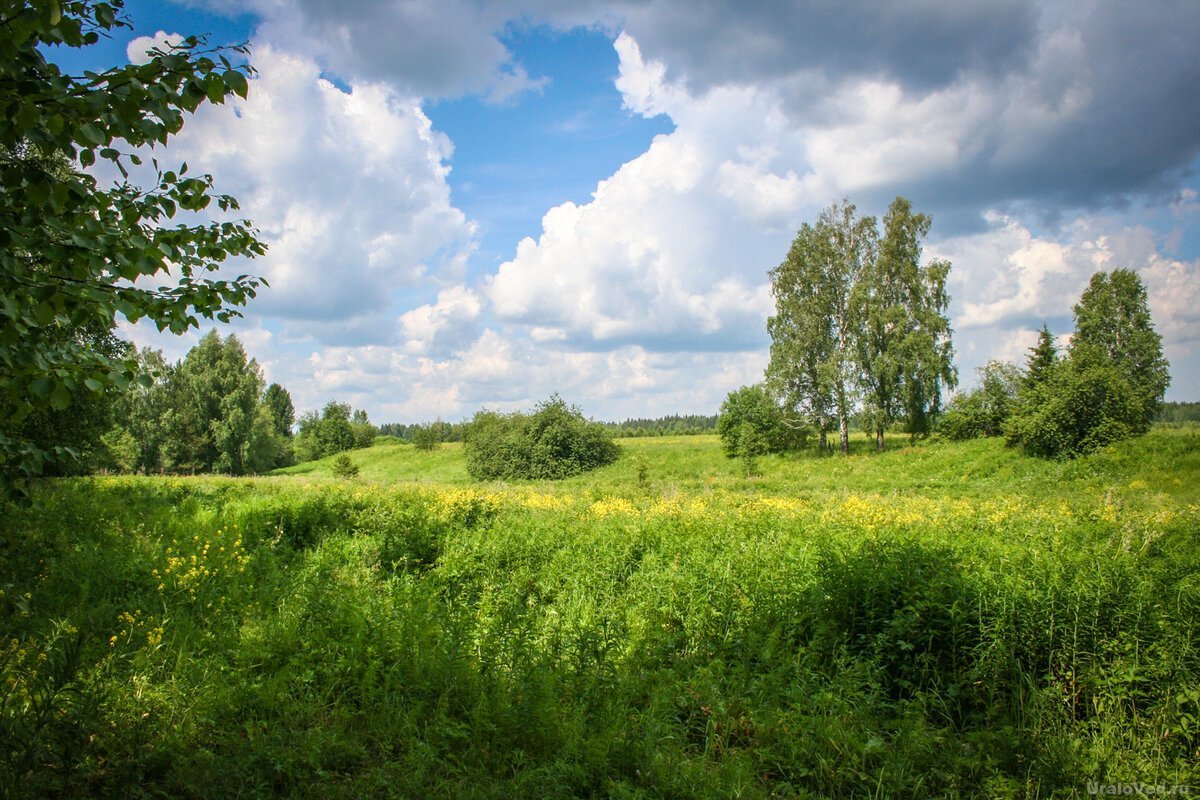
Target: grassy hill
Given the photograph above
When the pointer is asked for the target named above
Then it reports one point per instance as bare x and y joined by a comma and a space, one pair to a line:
1163, 461
949, 620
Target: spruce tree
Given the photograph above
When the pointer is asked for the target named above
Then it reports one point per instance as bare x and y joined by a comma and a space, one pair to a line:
1042, 358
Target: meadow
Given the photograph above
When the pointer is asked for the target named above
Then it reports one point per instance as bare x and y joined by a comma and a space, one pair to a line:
946, 620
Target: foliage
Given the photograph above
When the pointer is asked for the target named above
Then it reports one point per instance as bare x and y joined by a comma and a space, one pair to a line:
813, 337
444, 431
278, 401
336, 429
749, 444
875, 622
76, 430
203, 414
985, 409
670, 425
74, 256
220, 391
905, 350
1043, 357
1111, 384
554, 441
756, 407
1113, 318
364, 431
1084, 404
426, 437
343, 467
1177, 412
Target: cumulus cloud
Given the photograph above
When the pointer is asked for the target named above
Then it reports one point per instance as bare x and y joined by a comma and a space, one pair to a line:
672, 251
1015, 123
445, 326
349, 190
138, 50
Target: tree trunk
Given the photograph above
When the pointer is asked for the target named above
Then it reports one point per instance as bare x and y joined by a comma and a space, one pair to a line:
879, 438
844, 434
822, 445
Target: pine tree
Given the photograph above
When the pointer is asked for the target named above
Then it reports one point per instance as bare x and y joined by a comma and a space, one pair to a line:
1043, 356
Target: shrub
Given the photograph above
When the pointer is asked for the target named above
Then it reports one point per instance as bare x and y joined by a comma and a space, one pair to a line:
343, 467
1084, 404
984, 410
754, 406
555, 441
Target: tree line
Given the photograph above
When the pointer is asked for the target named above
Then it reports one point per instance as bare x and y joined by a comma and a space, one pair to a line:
860, 334
207, 413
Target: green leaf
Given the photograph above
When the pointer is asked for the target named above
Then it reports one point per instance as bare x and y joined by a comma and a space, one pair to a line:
91, 135
93, 384
237, 83
60, 397
214, 87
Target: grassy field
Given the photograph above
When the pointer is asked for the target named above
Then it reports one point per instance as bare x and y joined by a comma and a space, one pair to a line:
947, 620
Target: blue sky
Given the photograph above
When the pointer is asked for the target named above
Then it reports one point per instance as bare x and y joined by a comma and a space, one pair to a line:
476, 203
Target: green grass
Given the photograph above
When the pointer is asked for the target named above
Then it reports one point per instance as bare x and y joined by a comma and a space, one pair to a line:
950, 620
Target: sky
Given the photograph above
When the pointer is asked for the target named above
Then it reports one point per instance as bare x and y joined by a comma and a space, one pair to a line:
477, 203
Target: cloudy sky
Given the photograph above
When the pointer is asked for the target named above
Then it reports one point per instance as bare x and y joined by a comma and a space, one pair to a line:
479, 202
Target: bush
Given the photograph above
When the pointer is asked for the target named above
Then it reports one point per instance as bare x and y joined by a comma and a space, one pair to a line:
984, 410
343, 467
1084, 404
426, 437
553, 442
754, 406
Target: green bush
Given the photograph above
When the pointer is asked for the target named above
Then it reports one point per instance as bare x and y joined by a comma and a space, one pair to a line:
984, 410
1084, 404
343, 467
553, 442
754, 406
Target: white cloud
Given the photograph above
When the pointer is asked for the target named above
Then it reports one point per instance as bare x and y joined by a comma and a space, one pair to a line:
349, 190
442, 327
1008, 281
652, 296
673, 250
137, 51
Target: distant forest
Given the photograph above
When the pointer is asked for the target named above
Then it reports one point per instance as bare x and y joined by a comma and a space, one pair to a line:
1180, 412
671, 425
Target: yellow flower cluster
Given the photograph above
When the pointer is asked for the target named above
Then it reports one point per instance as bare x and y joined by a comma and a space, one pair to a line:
130, 622
540, 501
612, 505
454, 504
196, 564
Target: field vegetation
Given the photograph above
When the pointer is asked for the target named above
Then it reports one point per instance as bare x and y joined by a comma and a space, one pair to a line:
949, 620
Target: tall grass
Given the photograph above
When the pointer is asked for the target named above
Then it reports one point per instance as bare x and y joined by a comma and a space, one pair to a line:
950, 621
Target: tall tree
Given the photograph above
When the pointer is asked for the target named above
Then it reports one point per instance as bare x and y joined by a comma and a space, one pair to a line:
283, 414
813, 336
73, 255
905, 347
1113, 318
222, 389
145, 411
